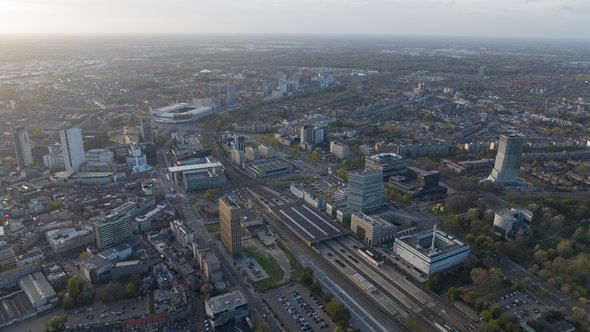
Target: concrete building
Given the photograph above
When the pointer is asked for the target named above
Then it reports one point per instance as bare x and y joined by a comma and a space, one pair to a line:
265, 151
389, 164
365, 191
251, 153
34, 255
374, 231
432, 251
146, 129
113, 230
231, 231
182, 233
55, 158
143, 223
69, 239
513, 222
96, 269
227, 308
73, 148
118, 253
203, 179
7, 257
208, 262
137, 160
507, 162
268, 167
237, 157
340, 150
39, 291
124, 270
99, 156
22, 147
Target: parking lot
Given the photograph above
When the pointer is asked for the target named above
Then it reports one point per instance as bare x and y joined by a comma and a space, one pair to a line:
252, 268
99, 314
519, 304
298, 309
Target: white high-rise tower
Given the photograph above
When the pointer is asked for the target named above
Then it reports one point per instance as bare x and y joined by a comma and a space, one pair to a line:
22, 146
507, 160
73, 148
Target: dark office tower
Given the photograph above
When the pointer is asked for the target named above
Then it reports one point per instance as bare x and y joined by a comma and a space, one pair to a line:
22, 146
229, 221
146, 130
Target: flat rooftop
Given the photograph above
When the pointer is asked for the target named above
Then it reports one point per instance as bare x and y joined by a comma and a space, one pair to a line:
310, 224
226, 301
444, 243
193, 167
15, 306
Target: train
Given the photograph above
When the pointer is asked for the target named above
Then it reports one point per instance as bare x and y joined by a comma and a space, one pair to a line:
364, 283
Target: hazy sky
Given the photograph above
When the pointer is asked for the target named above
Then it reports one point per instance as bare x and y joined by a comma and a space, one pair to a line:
502, 18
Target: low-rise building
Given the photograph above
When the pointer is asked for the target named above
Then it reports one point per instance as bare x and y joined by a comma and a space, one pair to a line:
227, 308
432, 251
117, 253
513, 222
340, 150
182, 233
96, 269
143, 222
69, 239
39, 291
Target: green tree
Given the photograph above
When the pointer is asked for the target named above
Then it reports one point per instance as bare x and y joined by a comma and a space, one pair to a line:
130, 290
56, 323
68, 302
307, 276
316, 288
84, 255
315, 155
339, 312
210, 194
479, 276
74, 286
54, 205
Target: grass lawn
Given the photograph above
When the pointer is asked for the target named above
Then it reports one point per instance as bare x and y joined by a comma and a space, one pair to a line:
214, 227
274, 270
412, 324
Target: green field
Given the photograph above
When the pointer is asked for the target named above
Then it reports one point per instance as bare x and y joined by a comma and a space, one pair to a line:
274, 270
214, 227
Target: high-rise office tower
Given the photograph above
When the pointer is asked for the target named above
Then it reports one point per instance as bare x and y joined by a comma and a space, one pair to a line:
146, 129
7, 257
365, 191
507, 160
229, 221
73, 148
22, 146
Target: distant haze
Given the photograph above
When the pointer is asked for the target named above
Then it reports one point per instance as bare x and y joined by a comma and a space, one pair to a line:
489, 18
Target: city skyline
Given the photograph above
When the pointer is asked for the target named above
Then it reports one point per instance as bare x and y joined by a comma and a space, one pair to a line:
520, 19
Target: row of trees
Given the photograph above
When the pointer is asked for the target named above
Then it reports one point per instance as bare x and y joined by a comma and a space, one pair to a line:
336, 309
77, 295
563, 268
116, 292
